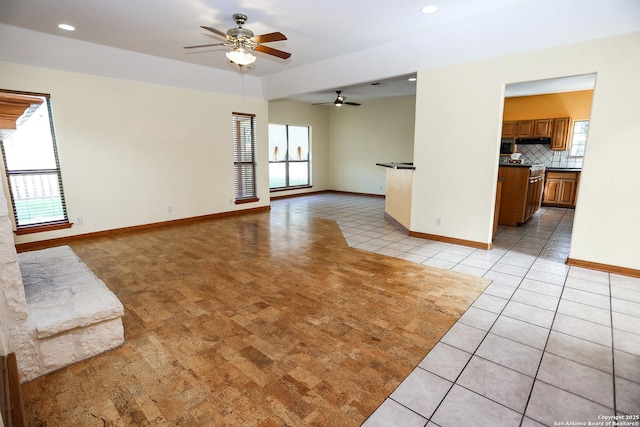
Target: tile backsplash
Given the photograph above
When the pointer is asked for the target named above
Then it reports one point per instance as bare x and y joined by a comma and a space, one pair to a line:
540, 154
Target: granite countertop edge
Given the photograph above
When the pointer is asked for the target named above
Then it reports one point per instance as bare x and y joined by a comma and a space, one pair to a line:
392, 165
547, 168
564, 170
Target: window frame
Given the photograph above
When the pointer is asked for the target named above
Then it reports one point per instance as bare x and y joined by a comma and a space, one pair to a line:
287, 161
573, 134
43, 225
244, 170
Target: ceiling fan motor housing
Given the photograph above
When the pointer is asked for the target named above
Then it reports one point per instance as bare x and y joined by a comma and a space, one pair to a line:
241, 36
240, 32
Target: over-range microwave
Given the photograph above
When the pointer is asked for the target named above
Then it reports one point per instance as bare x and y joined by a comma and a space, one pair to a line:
507, 146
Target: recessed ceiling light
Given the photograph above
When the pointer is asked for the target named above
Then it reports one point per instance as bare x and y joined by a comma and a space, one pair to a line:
430, 9
412, 79
67, 27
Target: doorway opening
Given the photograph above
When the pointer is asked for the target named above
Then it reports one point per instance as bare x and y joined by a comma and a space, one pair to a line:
545, 124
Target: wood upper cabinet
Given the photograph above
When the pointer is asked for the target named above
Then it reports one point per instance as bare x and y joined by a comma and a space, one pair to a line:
560, 140
509, 129
561, 189
542, 128
527, 128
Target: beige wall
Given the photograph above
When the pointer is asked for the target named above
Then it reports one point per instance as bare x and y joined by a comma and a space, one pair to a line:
287, 112
128, 150
349, 141
376, 132
458, 116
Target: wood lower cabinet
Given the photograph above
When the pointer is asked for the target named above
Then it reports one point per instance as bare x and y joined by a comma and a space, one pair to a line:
521, 194
496, 215
534, 194
561, 189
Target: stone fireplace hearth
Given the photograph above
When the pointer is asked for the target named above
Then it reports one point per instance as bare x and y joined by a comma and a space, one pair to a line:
53, 310
72, 314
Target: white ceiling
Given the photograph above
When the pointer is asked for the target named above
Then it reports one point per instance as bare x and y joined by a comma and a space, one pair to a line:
362, 92
335, 44
561, 84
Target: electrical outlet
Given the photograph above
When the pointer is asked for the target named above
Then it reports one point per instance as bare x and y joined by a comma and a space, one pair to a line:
79, 220
438, 221
169, 209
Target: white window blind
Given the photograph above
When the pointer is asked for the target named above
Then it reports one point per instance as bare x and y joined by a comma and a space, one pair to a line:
244, 157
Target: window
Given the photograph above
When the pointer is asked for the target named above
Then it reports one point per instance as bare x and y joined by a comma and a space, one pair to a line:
33, 171
244, 157
579, 140
288, 156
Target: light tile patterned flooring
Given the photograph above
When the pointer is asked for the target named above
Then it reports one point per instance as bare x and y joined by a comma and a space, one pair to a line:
544, 344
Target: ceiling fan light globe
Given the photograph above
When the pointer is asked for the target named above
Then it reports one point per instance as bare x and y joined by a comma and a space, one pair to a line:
240, 57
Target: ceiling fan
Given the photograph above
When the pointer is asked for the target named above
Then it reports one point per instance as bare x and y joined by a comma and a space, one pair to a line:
340, 101
242, 40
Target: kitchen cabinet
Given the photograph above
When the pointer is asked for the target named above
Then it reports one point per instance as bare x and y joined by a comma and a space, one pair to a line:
525, 129
496, 214
521, 196
534, 193
560, 140
542, 128
509, 129
561, 189
528, 128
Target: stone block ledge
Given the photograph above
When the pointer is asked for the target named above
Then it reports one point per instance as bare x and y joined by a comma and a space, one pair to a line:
62, 293
72, 315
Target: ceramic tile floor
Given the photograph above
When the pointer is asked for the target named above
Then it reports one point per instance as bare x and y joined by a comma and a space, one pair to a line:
545, 344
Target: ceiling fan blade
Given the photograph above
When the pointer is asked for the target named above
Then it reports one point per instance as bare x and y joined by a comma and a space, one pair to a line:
204, 45
272, 51
213, 30
351, 103
271, 37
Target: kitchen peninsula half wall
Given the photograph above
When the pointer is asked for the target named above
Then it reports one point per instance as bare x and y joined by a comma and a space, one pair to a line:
399, 184
398, 204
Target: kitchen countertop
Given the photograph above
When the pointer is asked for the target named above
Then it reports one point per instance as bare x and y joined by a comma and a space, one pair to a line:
564, 170
548, 169
393, 165
520, 165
